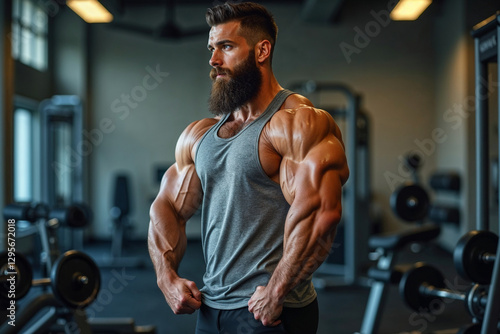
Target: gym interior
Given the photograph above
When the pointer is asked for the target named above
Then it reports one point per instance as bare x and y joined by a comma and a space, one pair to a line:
90, 114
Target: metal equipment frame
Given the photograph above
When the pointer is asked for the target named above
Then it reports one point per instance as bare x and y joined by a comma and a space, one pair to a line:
486, 50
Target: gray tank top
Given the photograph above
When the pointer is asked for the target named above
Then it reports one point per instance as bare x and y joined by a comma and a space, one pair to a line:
243, 217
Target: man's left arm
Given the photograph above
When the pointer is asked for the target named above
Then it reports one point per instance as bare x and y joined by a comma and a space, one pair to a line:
312, 173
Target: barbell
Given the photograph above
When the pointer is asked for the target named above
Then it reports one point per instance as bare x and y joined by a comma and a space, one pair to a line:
76, 215
75, 278
411, 203
474, 256
423, 285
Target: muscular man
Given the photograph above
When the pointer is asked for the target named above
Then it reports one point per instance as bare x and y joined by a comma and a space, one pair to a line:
268, 171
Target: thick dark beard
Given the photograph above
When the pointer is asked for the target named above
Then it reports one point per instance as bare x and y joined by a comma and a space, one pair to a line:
243, 85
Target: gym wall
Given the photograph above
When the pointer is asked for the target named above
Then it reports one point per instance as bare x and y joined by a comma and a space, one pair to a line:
452, 42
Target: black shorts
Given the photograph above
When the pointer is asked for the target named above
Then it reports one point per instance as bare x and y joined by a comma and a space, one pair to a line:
302, 320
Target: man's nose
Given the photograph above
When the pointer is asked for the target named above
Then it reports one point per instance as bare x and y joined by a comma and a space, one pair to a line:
215, 60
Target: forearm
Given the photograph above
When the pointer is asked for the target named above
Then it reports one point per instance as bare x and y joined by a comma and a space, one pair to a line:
167, 243
306, 247
166, 240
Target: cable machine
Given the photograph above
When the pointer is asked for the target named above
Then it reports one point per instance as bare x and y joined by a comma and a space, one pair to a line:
486, 51
63, 156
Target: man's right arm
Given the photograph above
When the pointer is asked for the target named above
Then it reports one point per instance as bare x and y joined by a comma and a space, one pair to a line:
178, 199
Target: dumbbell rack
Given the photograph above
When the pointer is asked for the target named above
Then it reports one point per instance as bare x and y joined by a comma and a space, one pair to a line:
486, 51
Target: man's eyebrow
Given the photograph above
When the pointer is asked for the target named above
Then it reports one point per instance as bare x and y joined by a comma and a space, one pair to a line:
224, 41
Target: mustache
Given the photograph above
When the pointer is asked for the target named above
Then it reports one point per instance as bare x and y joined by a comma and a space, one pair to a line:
214, 72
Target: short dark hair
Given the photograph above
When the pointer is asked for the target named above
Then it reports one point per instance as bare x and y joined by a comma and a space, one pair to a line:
256, 22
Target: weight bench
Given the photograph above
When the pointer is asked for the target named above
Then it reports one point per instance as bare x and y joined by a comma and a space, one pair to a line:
385, 273
119, 213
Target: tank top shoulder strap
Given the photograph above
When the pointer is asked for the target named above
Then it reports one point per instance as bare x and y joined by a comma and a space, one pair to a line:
275, 104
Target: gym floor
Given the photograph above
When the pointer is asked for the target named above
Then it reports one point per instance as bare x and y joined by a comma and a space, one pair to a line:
132, 292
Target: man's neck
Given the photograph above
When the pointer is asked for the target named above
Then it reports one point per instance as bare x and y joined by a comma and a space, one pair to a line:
256, 106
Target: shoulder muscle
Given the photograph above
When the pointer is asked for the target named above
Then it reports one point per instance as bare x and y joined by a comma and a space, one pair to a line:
310, 143
189, 139
294, 132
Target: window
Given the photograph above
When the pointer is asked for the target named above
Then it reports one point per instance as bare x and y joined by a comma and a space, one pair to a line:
23, 155
29, 34
26, 154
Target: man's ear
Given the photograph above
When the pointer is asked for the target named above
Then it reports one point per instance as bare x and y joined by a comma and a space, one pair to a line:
263, 50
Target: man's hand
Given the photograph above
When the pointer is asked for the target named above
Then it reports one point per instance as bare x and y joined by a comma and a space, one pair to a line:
182, 296
265, 308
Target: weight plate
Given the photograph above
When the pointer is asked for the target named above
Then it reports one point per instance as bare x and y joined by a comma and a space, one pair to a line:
76, 217
71, 216
411, 283
410, 202
22, 273
468, 253
75, 279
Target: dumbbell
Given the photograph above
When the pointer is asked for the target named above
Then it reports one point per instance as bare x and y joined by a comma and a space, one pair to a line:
410, 202
75, 278
77, 215
439, 214
423, 285
448, 181
474, 256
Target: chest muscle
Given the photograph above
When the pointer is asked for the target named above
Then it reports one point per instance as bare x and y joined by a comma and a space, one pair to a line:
269, 159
